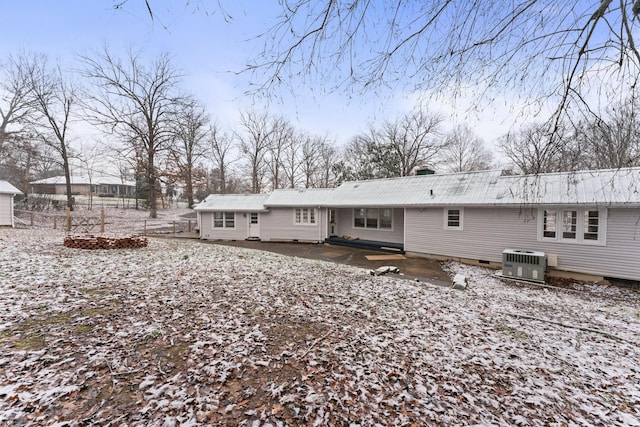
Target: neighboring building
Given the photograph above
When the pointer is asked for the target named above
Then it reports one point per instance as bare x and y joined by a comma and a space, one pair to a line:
7, 193
586, 222
102, 186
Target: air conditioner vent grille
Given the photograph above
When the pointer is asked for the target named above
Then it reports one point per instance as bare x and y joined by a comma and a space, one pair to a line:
524, 264
522, 258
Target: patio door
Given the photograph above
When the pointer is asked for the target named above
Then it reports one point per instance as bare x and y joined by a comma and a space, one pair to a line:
254, 225
333, 226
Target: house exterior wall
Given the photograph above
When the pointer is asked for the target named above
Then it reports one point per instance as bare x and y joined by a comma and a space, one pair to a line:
486, 232
279, 224
6, 210
344, 222
84, 189
207, 232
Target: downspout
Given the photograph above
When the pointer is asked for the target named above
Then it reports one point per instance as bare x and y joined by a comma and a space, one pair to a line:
198, 224
404, 229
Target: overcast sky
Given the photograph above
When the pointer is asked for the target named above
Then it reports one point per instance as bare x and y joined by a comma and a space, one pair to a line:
211, 50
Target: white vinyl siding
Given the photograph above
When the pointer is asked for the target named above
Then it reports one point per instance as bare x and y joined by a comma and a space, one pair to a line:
207, 230
277, 225
488, 231
6, 209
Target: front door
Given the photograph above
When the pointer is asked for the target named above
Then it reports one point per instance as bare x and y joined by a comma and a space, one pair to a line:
254, 225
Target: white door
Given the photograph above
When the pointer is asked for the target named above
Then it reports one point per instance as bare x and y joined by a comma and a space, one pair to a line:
254, 225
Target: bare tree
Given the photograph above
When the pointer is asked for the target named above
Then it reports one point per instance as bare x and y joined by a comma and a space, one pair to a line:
20, 153
291, 160
543, 49
23, 161
414, 140
53, 98
536, 149
282, 137
188, 145
464, 151
360, 159
137, 101
309, 151
255, 143
397, 148
16, 107
327, 157
613, 140
90, 157
221, 151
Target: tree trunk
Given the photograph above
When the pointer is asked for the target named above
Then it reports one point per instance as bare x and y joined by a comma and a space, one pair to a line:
152, 182
223, 178
67, 175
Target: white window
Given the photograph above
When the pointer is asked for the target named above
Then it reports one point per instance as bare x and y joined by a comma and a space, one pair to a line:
386, 219
453, 219
224, 220
358, 218
374, 218
304, 216
549, 224
572, 225
569, 224
591, 225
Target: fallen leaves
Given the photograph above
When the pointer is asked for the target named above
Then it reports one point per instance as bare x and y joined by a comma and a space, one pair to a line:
181, 333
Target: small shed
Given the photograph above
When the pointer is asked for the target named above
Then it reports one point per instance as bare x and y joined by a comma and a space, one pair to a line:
7, 193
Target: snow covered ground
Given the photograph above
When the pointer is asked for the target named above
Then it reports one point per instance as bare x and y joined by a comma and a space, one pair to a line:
182, 334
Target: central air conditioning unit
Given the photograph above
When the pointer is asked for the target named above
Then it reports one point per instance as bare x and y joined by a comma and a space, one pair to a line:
524, 264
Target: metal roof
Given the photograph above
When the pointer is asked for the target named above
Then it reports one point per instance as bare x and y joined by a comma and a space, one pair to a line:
7, 188
233, 202
468, 188
482, 188
593, 187
299, 197
84, 180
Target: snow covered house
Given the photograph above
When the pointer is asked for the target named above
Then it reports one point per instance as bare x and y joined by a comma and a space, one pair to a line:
7, 193
586, 222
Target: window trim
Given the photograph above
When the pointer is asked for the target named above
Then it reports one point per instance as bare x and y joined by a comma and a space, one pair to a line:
224, 220
310, 214
445, 222
580, 226
366, 217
